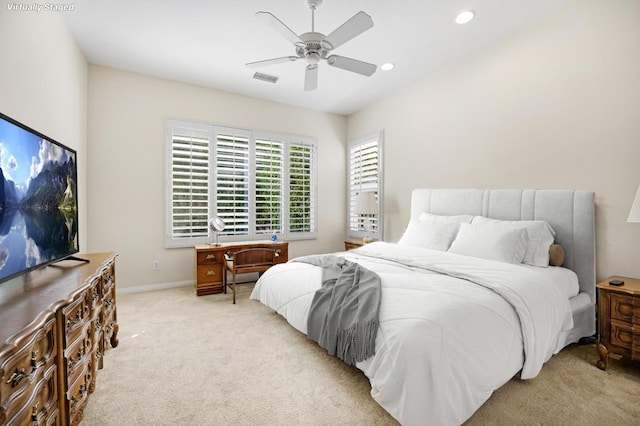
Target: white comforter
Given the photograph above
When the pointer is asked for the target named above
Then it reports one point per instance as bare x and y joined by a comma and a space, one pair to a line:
452, 328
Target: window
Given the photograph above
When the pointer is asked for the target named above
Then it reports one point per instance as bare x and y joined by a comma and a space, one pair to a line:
258, 183
365, 176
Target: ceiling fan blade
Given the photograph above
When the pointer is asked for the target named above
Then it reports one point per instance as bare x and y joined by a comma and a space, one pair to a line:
352, 65
280, 27
359, 23
311, 77
258, 64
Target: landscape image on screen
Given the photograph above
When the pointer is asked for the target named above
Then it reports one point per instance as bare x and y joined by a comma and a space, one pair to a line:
38, 205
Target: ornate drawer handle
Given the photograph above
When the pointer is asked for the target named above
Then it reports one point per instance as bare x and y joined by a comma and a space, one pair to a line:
79, 355
211, 273
17, 377
210, 257
34, 358
83, 391
34, 412
108, 302
74, 320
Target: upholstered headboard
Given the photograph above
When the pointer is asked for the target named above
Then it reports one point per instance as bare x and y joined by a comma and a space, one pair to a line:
571, 213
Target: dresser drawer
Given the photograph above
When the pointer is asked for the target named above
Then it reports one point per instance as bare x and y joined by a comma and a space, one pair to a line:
78, 353
77, 397
95, 294
75, 315
27, 363
110, 328
38, 404
625, 308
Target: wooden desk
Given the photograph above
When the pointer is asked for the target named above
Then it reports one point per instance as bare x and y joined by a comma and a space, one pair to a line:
209, 262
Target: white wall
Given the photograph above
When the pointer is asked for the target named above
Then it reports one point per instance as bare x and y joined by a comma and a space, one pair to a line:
127, 113
43, 84
555, 106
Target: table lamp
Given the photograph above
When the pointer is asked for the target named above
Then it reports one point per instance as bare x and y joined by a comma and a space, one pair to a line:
367, 204
634, 213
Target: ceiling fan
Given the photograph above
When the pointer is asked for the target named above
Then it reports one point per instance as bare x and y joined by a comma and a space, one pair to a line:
314, 47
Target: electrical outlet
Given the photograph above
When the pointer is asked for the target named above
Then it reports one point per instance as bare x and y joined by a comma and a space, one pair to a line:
156, 265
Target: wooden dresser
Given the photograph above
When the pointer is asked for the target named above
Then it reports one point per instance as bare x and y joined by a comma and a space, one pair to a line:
618, 320
56, 323
209, 262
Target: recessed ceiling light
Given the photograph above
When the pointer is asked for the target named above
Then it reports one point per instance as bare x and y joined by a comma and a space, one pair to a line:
387, 66
464, 17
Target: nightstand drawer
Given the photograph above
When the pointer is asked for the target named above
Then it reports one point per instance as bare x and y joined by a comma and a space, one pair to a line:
625, 308
626, 336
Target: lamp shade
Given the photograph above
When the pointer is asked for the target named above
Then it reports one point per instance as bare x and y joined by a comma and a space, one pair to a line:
634, 214
367, 203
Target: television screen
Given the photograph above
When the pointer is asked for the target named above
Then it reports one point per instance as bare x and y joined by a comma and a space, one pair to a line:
38, 202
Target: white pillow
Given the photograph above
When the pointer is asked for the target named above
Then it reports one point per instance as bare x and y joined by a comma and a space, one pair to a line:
490, 242
435, 218
540, 237
431, 235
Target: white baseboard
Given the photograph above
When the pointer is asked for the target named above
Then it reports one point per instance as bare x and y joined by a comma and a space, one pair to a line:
153, 287
244, 278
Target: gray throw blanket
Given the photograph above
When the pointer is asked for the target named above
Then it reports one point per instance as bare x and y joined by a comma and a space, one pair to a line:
343, 317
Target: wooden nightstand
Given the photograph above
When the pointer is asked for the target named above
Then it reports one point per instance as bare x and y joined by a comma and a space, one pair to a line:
352, 243
619, 320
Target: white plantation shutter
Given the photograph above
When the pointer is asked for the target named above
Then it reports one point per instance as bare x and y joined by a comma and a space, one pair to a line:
302, 189
269, 191
232, 196
258, 183
189, 176
365, 175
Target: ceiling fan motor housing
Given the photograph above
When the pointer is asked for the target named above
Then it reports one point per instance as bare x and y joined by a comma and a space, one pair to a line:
311, 47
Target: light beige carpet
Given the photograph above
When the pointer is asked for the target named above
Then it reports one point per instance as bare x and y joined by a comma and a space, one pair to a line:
187, 360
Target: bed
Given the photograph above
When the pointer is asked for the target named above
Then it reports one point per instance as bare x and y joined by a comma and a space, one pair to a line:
454, 326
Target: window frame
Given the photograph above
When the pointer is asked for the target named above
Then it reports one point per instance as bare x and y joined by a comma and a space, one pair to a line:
288, 140
378, 137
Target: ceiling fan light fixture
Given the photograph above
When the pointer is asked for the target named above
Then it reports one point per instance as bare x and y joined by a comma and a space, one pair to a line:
387, 66
465, 16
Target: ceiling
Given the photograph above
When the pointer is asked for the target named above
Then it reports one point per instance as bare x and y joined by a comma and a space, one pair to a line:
208, 42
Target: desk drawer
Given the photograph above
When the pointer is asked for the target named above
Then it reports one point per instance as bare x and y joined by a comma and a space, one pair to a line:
209, 257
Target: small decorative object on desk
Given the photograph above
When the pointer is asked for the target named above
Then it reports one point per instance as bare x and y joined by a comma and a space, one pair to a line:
274, 237
216, 225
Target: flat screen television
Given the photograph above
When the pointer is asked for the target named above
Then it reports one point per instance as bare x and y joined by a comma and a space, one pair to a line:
38, 199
